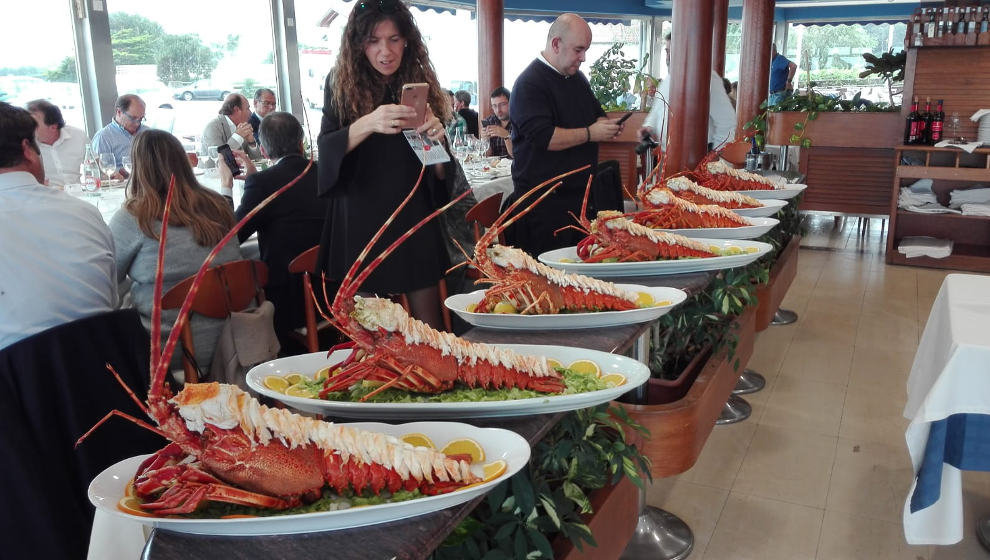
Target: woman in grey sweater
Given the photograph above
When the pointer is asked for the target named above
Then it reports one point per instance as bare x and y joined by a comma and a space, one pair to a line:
198, 219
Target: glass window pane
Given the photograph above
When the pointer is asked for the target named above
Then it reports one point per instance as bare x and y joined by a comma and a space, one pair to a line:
47, 68
183, 56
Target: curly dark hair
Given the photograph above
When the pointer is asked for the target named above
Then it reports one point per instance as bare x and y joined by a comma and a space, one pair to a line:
358, 87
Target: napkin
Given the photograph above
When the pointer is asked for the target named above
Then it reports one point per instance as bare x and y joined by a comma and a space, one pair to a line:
971, 209
973, 195
923, 246
969, 147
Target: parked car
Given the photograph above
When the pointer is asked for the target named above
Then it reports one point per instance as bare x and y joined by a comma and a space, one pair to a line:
203, 89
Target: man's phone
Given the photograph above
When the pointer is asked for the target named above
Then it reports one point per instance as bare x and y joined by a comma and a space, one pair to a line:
415, 96
228, 158
624, 117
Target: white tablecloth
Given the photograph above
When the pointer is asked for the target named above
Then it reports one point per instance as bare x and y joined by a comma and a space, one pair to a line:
950, 375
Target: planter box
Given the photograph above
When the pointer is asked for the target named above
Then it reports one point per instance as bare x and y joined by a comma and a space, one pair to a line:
680, 429
612, 523
772, 293
839, 130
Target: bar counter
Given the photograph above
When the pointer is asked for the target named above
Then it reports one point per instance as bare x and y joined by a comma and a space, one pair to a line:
415, 537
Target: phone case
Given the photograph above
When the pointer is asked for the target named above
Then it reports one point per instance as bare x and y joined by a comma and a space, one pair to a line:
415, 96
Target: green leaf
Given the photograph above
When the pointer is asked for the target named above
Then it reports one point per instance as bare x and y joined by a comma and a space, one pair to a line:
806, 143
799, 126
519, 545
794, 139
506, 530
522, 490
812, 115
541, 542
551, 510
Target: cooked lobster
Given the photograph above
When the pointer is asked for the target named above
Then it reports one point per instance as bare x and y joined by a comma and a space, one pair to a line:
227, 447
664, 210
686, 189
715, 174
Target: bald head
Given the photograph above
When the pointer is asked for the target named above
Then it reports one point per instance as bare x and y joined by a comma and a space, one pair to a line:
567, 43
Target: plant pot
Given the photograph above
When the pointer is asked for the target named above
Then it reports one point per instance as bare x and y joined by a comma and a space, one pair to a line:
782, 274
735, 152
680, 429
612, 523
840, 130
663, 391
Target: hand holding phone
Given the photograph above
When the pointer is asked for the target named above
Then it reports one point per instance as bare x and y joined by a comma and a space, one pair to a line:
228, 159
415, 96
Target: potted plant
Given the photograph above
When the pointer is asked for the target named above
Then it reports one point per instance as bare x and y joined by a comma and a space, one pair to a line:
615, 79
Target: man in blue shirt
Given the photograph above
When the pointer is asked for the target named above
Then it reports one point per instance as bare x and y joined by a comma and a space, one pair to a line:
781, 75
117, 136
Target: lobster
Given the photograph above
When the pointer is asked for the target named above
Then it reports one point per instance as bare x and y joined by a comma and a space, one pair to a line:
227, 447
533, 287
667, 211
715, 174
686, 189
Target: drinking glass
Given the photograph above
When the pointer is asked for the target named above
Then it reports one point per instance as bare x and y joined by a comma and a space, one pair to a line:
125, 162
481, 148
108, 164
954, 125
214, 155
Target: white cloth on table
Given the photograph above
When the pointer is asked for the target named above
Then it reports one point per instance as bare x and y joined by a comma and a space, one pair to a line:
63, 157
490, 188
968, 147
923, 246
950, 375
973, 209
115, 538
959, 197
58, 259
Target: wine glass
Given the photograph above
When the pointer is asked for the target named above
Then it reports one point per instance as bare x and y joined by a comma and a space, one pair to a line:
214, 156
481, 148
953, 125
125, 162
108, 165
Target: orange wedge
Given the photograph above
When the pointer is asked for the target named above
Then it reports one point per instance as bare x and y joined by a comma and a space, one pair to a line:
276, 383
554, 363
465, 446
418, 440
494, 470
586, 367
131, 505
614, 379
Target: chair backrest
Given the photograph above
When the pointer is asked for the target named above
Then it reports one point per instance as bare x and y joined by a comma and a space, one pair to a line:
305, 264
606, 189
225, 289
484, 214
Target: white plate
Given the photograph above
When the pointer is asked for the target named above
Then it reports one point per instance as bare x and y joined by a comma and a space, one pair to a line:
636, 374
108, 488
657, 268
759, 227
770, 207
783, 192
458, 304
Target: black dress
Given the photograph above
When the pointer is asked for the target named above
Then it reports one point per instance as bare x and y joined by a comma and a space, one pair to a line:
365, 186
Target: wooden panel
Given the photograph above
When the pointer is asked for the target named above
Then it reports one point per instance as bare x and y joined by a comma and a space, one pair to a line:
959, 76
782, 275
958, 228
625, 153
490, 22
691, 63
754, 66
855, 180
843, 130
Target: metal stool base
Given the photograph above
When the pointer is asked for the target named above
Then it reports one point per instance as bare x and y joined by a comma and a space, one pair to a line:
660, 535
736, 409
982, 531
749, 382
784, 317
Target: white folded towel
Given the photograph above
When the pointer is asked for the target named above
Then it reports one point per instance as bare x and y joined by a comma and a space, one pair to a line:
923, 246
968, 147
974, 195
972, 209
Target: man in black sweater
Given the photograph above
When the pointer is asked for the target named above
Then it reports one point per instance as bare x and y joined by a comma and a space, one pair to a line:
462, 104
556, 126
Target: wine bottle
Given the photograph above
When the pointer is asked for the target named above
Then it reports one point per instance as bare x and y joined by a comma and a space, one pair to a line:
938, 119
925, 134
911, 126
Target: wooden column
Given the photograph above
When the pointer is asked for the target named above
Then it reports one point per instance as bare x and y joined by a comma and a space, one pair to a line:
690, 86
754, 61
490, 24
720, 23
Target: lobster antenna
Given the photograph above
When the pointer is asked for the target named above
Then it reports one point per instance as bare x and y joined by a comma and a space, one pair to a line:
156, 308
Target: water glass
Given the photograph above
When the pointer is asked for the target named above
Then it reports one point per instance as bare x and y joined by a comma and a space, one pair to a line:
213, 154
125, 162
108, 164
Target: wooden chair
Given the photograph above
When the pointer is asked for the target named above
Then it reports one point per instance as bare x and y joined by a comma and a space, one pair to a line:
305, 264
225, 288
483, 215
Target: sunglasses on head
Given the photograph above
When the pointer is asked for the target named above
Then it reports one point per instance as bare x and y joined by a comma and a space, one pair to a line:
383, 6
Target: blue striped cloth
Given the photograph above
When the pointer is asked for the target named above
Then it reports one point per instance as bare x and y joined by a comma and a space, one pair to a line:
961, 440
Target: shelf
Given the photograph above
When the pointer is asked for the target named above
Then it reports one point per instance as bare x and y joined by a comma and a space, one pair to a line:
950, 217
947, 173
975, 258
925, 148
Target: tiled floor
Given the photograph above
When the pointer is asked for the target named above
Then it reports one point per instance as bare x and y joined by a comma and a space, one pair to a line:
820, 470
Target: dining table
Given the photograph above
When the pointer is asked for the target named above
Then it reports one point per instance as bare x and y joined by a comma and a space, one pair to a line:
948, 406
405, 539
488, 177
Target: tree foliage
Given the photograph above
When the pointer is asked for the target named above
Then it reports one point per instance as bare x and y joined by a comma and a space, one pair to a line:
135, 38
64, 72
184, 58
821, 40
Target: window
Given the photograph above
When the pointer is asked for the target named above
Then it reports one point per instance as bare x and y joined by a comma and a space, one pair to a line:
41, 69
183, 56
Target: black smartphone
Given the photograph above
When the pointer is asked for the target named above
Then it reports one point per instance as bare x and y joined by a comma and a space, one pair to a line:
228, 158
624, 117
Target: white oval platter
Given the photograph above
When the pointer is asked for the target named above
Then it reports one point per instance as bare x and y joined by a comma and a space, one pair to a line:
785, 191
770, 207
757, 227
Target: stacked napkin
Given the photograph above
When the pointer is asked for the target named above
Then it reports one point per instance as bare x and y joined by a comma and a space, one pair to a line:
968, 147
922, 246
973, 196
923, 202
973, 209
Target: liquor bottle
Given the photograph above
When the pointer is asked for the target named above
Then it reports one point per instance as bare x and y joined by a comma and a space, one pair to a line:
911, 126
961, 22
932, 24
938, 119
89, 171
925, 134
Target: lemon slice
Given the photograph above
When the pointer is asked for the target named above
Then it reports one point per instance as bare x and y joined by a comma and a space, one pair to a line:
237, 516
505, 307
587, 367
465, 446
418, 440
323, 374
276, 383
131, 505
493, 470
752, 249
554, 363
645, 299
663, 303
614, 379
471, 307
299, 390
294, 378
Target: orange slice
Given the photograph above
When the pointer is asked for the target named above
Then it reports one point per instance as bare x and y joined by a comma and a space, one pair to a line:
294, 378
276, 383
418, 440
587, 367
645, 299
614, 379
465, 446
494, 470
554, 363
131, 505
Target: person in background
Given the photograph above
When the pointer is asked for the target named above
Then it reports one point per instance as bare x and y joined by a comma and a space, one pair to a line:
498, 126
264, 103
457, 122
231, 127
63, 147
781, 75
366, 165
556, 126
462, 104
56, 254
733, 90
117, 136
198, 219
290, 224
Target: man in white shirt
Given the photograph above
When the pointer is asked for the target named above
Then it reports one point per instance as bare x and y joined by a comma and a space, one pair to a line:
56, 253
232, 127
63, 147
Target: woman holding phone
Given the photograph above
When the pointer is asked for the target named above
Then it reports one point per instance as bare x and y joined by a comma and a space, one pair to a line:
366, 164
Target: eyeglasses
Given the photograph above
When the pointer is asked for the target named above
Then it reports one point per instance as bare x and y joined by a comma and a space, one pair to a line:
133, 119
267, 103
384, 6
